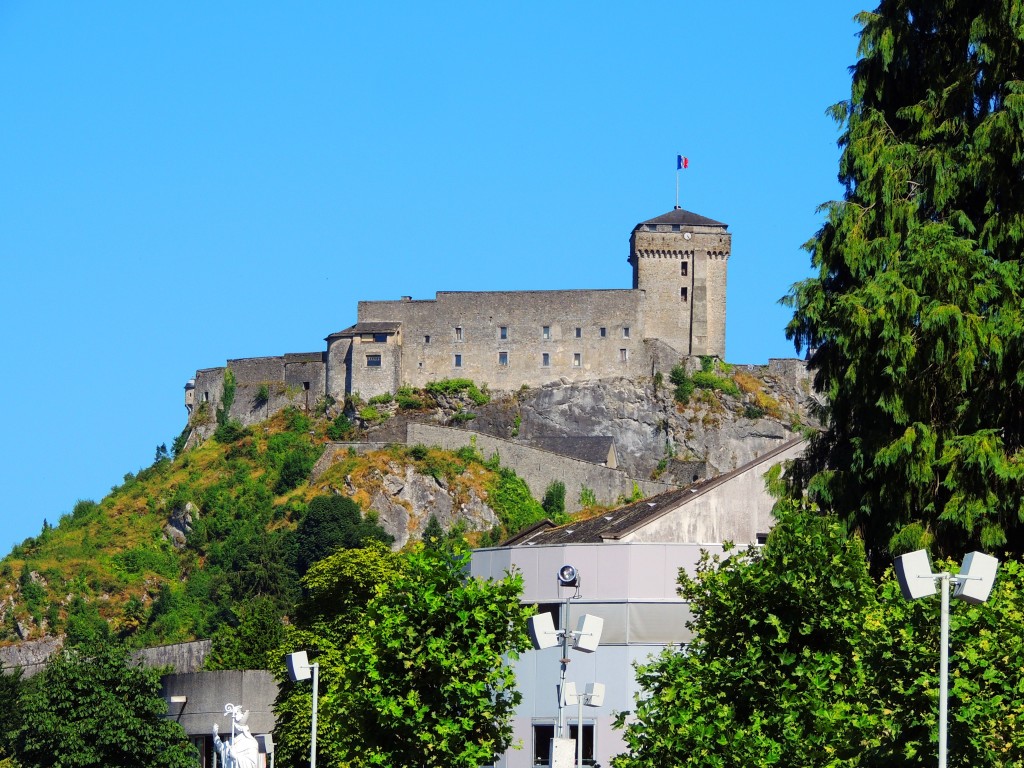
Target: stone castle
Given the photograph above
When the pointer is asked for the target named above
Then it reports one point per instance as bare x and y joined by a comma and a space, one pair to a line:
509, 339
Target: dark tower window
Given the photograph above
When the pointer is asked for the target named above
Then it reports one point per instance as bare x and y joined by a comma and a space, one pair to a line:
682, 294
684, 268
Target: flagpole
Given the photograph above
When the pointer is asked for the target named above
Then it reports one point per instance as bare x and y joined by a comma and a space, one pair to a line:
677, 185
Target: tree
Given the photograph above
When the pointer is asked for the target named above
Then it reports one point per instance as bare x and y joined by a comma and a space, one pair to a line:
331, 522
414, 661
248, 641
92, 706
433, 534
554, 499
799, 659
914, 316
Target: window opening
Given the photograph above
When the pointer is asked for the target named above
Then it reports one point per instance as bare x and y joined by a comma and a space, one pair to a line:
603, 332
426, 339
458, 333
684, 268
546, 332
625, 331
682, 294
458, 361
577, 359
503, 358
623, 355
373, 361
579, 333
545, 359
380, 338
503, 332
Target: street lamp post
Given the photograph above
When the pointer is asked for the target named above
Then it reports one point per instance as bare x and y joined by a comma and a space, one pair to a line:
299, 668
972, 584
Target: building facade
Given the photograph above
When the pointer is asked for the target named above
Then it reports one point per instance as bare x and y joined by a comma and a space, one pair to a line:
508, 339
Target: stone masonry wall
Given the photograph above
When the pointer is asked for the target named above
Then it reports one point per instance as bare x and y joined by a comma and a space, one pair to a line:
539, 468
499, 339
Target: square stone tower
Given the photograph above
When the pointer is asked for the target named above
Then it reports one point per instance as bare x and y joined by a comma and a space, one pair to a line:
679, 261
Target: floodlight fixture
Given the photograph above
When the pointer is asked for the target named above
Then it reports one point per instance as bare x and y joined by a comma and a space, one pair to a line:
542, 631
568, 576
972, 584
588, 633
299, 668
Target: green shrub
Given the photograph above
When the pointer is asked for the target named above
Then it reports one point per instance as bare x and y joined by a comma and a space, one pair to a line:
455, 386
262, 396
587, 497
418, 452
296, 421
224, 412
752, 412
707, 363
341, 428
382, 399
510, 498
554, 499
407, 400
461, 417
371, 415
703, 380
230, 432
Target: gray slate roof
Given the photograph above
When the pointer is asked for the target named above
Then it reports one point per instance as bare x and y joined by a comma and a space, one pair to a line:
684, 218
361, 328
592, 449
619, 522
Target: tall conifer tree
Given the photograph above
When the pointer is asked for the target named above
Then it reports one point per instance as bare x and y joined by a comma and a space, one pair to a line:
914, 318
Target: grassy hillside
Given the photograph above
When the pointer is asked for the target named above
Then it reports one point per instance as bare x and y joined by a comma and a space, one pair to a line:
110, 568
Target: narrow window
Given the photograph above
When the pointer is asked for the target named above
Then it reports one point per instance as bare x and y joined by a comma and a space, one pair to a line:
577, 359
684, 268
546, 332
458, 333
503, 332
625, 331
545, 359
458, 361
603, 332
682, 293
623, 355
579, 333
503, 358
426, 339
206, 397
380, 338
305, 385
373, 361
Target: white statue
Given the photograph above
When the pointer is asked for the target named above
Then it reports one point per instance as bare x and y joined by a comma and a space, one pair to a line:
242, 751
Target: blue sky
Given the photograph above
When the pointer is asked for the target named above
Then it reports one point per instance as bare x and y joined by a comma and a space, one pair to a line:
181, 184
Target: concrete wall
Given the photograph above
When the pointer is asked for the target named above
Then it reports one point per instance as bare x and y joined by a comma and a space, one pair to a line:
537, 467
206, 694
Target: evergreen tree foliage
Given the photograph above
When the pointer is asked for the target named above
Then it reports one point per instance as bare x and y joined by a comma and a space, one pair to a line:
93, 707
433, 535
331, 522
913, 319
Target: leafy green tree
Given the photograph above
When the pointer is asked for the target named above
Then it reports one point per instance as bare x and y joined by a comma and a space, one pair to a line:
11, 684
92, 707
414, 661
331, 522
914, 317
798, 658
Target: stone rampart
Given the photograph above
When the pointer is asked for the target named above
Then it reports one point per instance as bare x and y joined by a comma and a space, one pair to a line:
539, 468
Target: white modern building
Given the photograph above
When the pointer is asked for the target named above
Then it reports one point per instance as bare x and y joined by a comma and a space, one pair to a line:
628, 560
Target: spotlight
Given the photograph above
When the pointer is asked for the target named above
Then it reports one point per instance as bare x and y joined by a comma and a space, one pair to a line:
568, 576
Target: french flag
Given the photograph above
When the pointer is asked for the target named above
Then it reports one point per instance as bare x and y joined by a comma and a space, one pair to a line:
682, 162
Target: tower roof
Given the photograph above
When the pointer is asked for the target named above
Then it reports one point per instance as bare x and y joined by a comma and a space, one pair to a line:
685, 218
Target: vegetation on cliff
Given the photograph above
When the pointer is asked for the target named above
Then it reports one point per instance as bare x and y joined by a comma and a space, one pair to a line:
219, 535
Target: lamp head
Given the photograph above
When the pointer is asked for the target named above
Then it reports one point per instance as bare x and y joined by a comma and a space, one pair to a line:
914, 573
976, 577
568, 576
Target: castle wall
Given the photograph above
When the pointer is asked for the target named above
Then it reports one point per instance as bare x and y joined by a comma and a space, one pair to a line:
338, 381
375, 367
459, 335
539, 468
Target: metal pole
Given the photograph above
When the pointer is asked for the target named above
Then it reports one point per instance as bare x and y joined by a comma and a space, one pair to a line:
316, 694
560, 733
579, 730
943, 666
